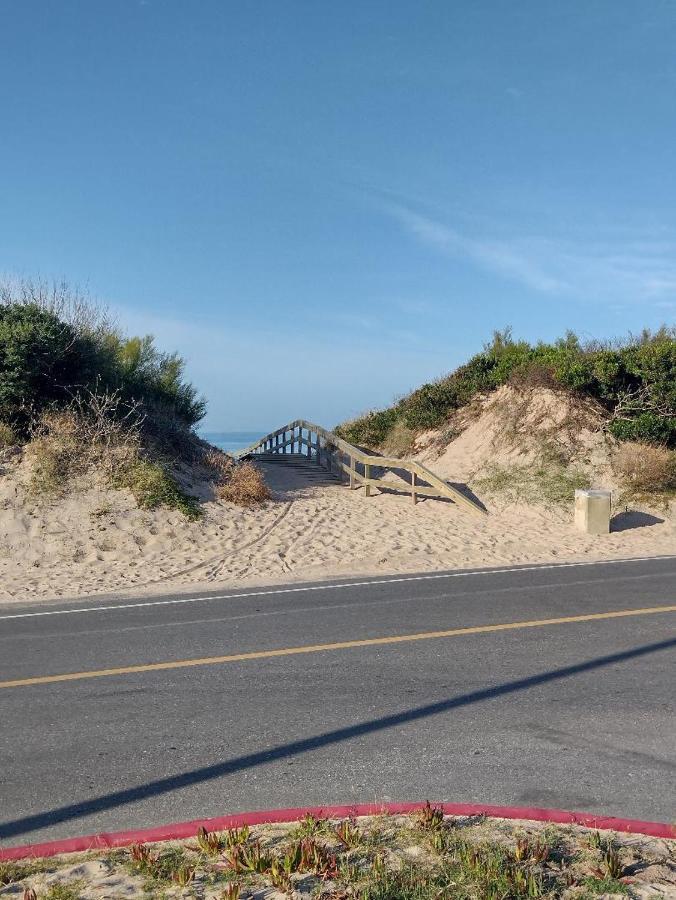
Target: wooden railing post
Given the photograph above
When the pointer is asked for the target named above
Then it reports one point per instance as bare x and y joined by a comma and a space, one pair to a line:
367, 476
413, 491
353, 469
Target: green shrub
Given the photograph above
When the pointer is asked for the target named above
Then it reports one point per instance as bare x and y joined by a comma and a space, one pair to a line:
8, 436
152, 485
643, 367
430, 404
38, 361
647, 426
45, 359
370, 429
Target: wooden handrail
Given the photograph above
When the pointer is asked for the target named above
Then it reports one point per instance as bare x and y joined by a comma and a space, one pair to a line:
334, 447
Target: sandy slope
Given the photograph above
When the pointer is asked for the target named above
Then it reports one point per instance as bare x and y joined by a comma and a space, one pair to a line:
514, 428
96, 541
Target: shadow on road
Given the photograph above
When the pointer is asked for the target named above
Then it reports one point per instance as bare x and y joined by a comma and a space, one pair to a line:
74, 811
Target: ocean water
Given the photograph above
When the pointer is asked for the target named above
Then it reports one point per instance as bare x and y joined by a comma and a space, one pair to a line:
232, 441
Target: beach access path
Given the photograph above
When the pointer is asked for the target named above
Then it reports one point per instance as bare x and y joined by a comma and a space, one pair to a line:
540, 685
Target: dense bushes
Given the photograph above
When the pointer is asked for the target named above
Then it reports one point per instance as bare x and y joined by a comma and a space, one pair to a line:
39, 362
52, 349
635, 381
89, 399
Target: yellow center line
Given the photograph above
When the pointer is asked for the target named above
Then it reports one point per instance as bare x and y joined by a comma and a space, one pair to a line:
339, 645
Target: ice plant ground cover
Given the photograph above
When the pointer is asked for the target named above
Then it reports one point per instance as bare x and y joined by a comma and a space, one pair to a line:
423, 855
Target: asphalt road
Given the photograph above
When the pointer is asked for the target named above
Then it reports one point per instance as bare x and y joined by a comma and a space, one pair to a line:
574, 714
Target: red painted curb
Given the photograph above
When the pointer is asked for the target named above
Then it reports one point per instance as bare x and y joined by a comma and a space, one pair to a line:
179, 830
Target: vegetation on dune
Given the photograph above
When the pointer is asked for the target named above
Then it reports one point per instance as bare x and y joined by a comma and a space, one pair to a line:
152, 486
542, 482
7, 436
635, 380
83, 395
646, 468
53, 345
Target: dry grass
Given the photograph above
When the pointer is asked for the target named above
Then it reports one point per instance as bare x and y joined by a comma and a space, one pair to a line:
426, 856
544, 482
7, 436
646, 468
58, 454
399, 442
533, 375
72, 441
244, 486
237, 482
93, 436
218, 463
531, 418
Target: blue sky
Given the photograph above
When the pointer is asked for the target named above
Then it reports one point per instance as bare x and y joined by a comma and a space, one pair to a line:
322, 205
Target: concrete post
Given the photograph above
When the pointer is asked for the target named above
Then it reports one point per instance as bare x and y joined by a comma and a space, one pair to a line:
592, 511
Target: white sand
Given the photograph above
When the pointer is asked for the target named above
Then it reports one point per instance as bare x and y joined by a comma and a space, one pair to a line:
97, 542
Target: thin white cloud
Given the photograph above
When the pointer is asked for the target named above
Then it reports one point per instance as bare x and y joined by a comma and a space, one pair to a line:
630, 268
498, 256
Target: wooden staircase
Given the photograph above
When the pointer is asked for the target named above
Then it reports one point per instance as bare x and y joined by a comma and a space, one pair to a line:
309, 447
306, 467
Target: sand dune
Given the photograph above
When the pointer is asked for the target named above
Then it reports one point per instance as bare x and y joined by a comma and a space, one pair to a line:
95, 541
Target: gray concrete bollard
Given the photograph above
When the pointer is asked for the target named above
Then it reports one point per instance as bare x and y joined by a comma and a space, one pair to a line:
592, 511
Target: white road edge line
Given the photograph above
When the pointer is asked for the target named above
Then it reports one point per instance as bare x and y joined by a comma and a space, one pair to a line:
334, 587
